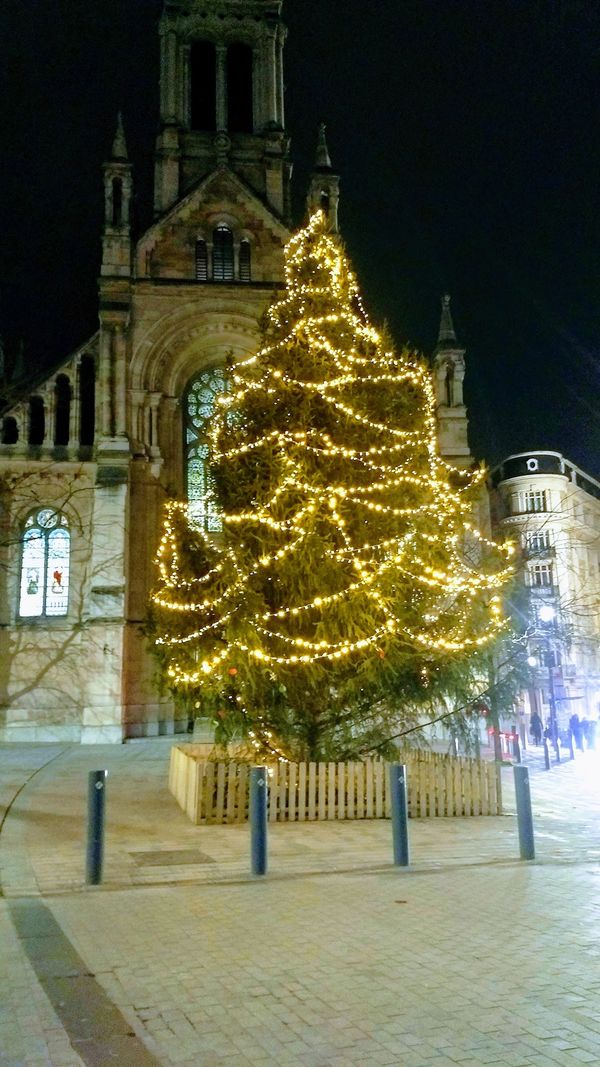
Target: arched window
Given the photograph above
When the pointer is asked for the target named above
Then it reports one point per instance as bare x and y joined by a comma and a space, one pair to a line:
203, 86
62, 400
325, 201
222, 254
10, 431
45, 552
245, 261
239, 89
199, 409
37, 421
117, 201
201, 261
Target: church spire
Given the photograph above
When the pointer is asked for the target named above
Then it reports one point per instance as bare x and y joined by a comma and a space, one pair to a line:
449, 373
116, 256
324, 185
447, 335
119, 148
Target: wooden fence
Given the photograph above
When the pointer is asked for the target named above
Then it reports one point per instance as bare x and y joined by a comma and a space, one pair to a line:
438, 785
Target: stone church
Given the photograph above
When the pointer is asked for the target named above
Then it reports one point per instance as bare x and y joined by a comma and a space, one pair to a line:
88, 460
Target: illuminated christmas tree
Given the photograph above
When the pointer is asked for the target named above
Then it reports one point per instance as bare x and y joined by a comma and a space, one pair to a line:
348, 572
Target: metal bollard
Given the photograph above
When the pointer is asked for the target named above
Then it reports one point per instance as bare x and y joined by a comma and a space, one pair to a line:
524, 814
95, 828
516, 748
546, 754
571, 749
258, 819
398, 783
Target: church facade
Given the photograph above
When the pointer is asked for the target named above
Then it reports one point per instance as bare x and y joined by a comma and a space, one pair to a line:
89, 458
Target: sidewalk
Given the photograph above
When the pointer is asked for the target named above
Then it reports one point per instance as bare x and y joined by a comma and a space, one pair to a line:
336, 958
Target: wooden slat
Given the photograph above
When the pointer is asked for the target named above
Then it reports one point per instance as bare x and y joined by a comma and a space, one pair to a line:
302, 799
359, 770
351, 790
273, 787
378, 771
242, 793
322, 789
458, 797
331, 790
449, 782
284, 792
220, 799
230, 790
293, 792
341, 790
369, 789
312, 791
209, 793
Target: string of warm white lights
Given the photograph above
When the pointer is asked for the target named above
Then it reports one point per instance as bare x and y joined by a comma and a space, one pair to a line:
346, 531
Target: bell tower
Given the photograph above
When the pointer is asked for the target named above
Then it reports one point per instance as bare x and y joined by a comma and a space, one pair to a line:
221, 98
449, 373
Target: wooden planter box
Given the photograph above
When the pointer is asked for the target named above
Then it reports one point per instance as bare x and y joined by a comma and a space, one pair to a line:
211, 792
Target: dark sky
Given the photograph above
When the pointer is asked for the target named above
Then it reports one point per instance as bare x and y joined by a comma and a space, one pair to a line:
467, 135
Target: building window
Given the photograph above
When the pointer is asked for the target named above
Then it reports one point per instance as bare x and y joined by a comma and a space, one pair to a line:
117, 201
222, 254
540, 575
532, 500
62, 401
201, 261
203, 86
239, 89
10, 431
45, 554
245, 261
537, 542
199, 409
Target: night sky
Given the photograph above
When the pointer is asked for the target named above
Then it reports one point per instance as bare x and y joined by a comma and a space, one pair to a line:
467, 136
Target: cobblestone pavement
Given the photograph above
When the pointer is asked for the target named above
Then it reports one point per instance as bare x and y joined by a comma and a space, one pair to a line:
181, 958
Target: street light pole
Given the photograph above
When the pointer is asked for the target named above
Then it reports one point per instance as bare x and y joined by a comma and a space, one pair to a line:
552, 697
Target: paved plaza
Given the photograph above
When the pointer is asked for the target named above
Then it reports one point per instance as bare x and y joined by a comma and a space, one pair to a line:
335, 958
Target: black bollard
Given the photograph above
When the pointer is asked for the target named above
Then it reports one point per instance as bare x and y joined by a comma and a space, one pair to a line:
571, 749
95, 830
258, 819
516, 748
546, 754
398, 784
524, 814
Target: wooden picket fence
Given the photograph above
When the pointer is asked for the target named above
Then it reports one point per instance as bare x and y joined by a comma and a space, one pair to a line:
438, 785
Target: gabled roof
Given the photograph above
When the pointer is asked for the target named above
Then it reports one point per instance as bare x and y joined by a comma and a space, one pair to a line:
198, 194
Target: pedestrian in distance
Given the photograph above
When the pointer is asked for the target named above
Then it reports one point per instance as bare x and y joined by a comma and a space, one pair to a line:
535, 725
576, 730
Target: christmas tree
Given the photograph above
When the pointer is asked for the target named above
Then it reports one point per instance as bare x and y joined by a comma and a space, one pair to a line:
348, 572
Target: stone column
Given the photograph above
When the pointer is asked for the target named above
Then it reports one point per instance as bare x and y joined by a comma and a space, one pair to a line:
75, 411
221, 51
271, 73
104, 382
171, 77
49, 399
155, 399
279, 63
120, 356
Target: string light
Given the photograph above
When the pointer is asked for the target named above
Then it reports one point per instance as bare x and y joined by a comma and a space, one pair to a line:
331, 431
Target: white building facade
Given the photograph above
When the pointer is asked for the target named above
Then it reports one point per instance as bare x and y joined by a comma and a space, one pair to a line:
552, 510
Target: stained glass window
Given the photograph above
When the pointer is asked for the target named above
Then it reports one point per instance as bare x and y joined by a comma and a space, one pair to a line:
200, 405
45, 554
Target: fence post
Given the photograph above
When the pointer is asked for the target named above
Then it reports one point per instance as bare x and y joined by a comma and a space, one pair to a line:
95, 827
258, 819
524, 815
399, 813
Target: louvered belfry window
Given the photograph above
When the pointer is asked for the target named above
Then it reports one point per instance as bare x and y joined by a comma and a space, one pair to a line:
201, 261
222, 254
